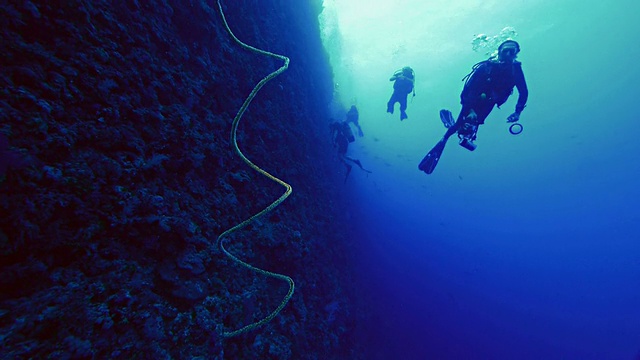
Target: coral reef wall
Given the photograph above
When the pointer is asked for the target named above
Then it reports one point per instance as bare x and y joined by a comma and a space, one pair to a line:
117, 175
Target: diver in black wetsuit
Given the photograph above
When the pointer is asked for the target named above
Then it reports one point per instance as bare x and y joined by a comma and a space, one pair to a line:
403, 84
490, 83
342, 135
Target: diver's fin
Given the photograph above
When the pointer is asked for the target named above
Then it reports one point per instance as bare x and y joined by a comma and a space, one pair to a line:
428, 164
357, 162
447, 118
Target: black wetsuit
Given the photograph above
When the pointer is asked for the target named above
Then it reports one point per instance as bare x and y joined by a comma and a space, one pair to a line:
340, 139
342, 136
402, 87
491, 84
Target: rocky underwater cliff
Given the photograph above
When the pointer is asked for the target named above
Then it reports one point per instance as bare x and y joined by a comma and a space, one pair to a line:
117, 175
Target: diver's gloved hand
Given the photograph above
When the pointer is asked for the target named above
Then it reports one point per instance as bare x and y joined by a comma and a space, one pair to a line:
472, 116
513, 117
360, 133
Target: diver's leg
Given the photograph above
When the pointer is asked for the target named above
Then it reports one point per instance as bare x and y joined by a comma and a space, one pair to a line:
391, 103
450, 131
403, 106
459, 121
483, 112
346, 165
357, 162
346, 176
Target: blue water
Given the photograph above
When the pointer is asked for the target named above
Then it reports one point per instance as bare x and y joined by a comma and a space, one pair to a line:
529, 247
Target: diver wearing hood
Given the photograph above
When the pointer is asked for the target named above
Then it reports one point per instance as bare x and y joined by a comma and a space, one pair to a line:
404, 80
490, 83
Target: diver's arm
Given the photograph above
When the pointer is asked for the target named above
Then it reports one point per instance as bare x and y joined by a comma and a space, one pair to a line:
521, 85
396, 75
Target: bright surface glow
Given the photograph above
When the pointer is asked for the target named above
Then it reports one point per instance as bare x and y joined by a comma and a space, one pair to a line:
369, 40
380, 36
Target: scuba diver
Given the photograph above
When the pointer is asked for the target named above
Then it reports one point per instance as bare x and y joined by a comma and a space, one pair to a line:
403, 85
490, 83
353, 117
342, 135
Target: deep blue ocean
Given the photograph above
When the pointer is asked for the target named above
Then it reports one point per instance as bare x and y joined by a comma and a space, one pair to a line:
528, 247
131, 227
